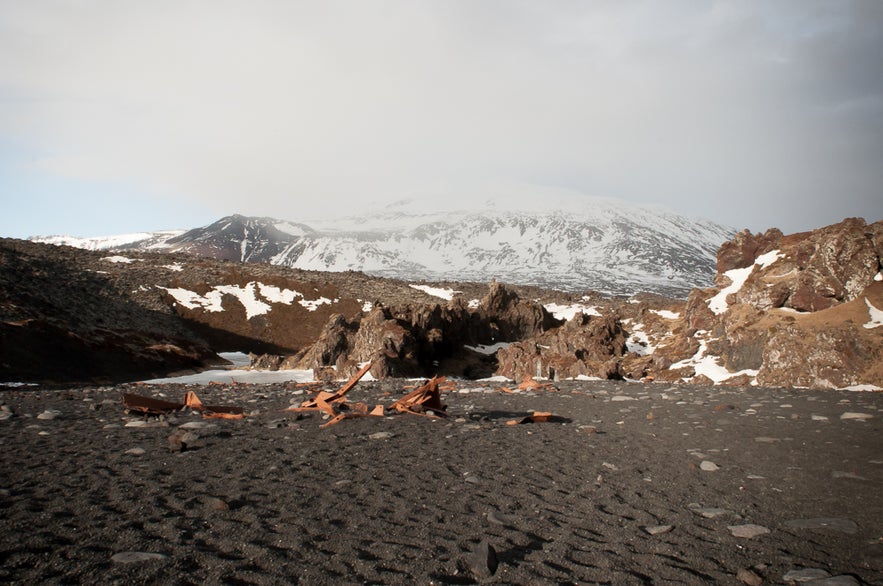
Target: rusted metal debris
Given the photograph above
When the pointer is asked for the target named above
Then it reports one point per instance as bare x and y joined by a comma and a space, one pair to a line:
151, 406
425, 401
537, 417
529, 384
335, 405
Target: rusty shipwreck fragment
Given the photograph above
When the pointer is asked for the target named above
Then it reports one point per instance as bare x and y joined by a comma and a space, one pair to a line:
425, 400
335, 404
537, 417
529, 384
151, 406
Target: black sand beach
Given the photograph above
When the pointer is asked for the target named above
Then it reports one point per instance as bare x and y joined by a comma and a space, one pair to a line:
639, 484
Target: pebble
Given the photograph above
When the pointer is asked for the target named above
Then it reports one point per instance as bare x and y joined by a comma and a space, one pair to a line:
841, 474
49, 414
708, 466
833, 523
501, 519
710, 512
747, 531
136, 452
622, 398
856, 416
129, 557
819, 418
197, 425
483, 560
842, 580
145, 423
658, 529
217, 504
747, 576
805, 575
381, 435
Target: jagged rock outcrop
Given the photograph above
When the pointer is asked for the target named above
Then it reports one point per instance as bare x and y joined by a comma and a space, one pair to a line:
795, 310
415, 339
812, 270
585, 345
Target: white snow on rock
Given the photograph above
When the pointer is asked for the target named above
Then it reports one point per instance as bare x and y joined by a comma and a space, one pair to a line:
474, 303
567, 312
876, 316
446, 294
239, 376
174, 267
488, 350
120, 259
639, 342
277, 295
708, 365
718, 303
878, 276
862, 388
666, 313
249, 296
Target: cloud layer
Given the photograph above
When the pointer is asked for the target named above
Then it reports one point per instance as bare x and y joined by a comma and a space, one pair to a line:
750, 113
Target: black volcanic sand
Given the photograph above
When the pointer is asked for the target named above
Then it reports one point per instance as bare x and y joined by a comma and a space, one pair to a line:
408, 500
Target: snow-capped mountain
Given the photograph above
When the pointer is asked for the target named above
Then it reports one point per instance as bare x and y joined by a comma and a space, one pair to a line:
603, 245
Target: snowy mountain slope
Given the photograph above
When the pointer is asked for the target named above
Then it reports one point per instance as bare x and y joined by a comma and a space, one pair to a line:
137, 240
607, 247
603, 245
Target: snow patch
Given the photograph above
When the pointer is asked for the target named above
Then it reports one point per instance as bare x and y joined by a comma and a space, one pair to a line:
666, 313
862, 388
494, 379
876, 316
718, 303
174, 267
639, 341
446, 294
120, 259
474, 304
277, 295
248, 296
239, 376
237, 358
585, 377
367, 306
567, 312
879, 276
488, 350
708, 365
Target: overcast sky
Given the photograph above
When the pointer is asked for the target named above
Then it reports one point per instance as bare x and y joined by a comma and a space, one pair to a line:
120, 116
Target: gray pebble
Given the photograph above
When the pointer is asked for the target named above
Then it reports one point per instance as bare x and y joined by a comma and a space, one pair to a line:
747, 531
832, 523
805, 575
129, 557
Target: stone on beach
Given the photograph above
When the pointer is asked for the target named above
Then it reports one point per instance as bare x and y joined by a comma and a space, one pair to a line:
805, 575
130, 557
747, 531
832, 523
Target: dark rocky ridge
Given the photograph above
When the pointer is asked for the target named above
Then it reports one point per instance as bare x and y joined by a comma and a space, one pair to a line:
800, 313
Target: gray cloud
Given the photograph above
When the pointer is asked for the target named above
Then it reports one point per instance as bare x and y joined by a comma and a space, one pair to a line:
749, 113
